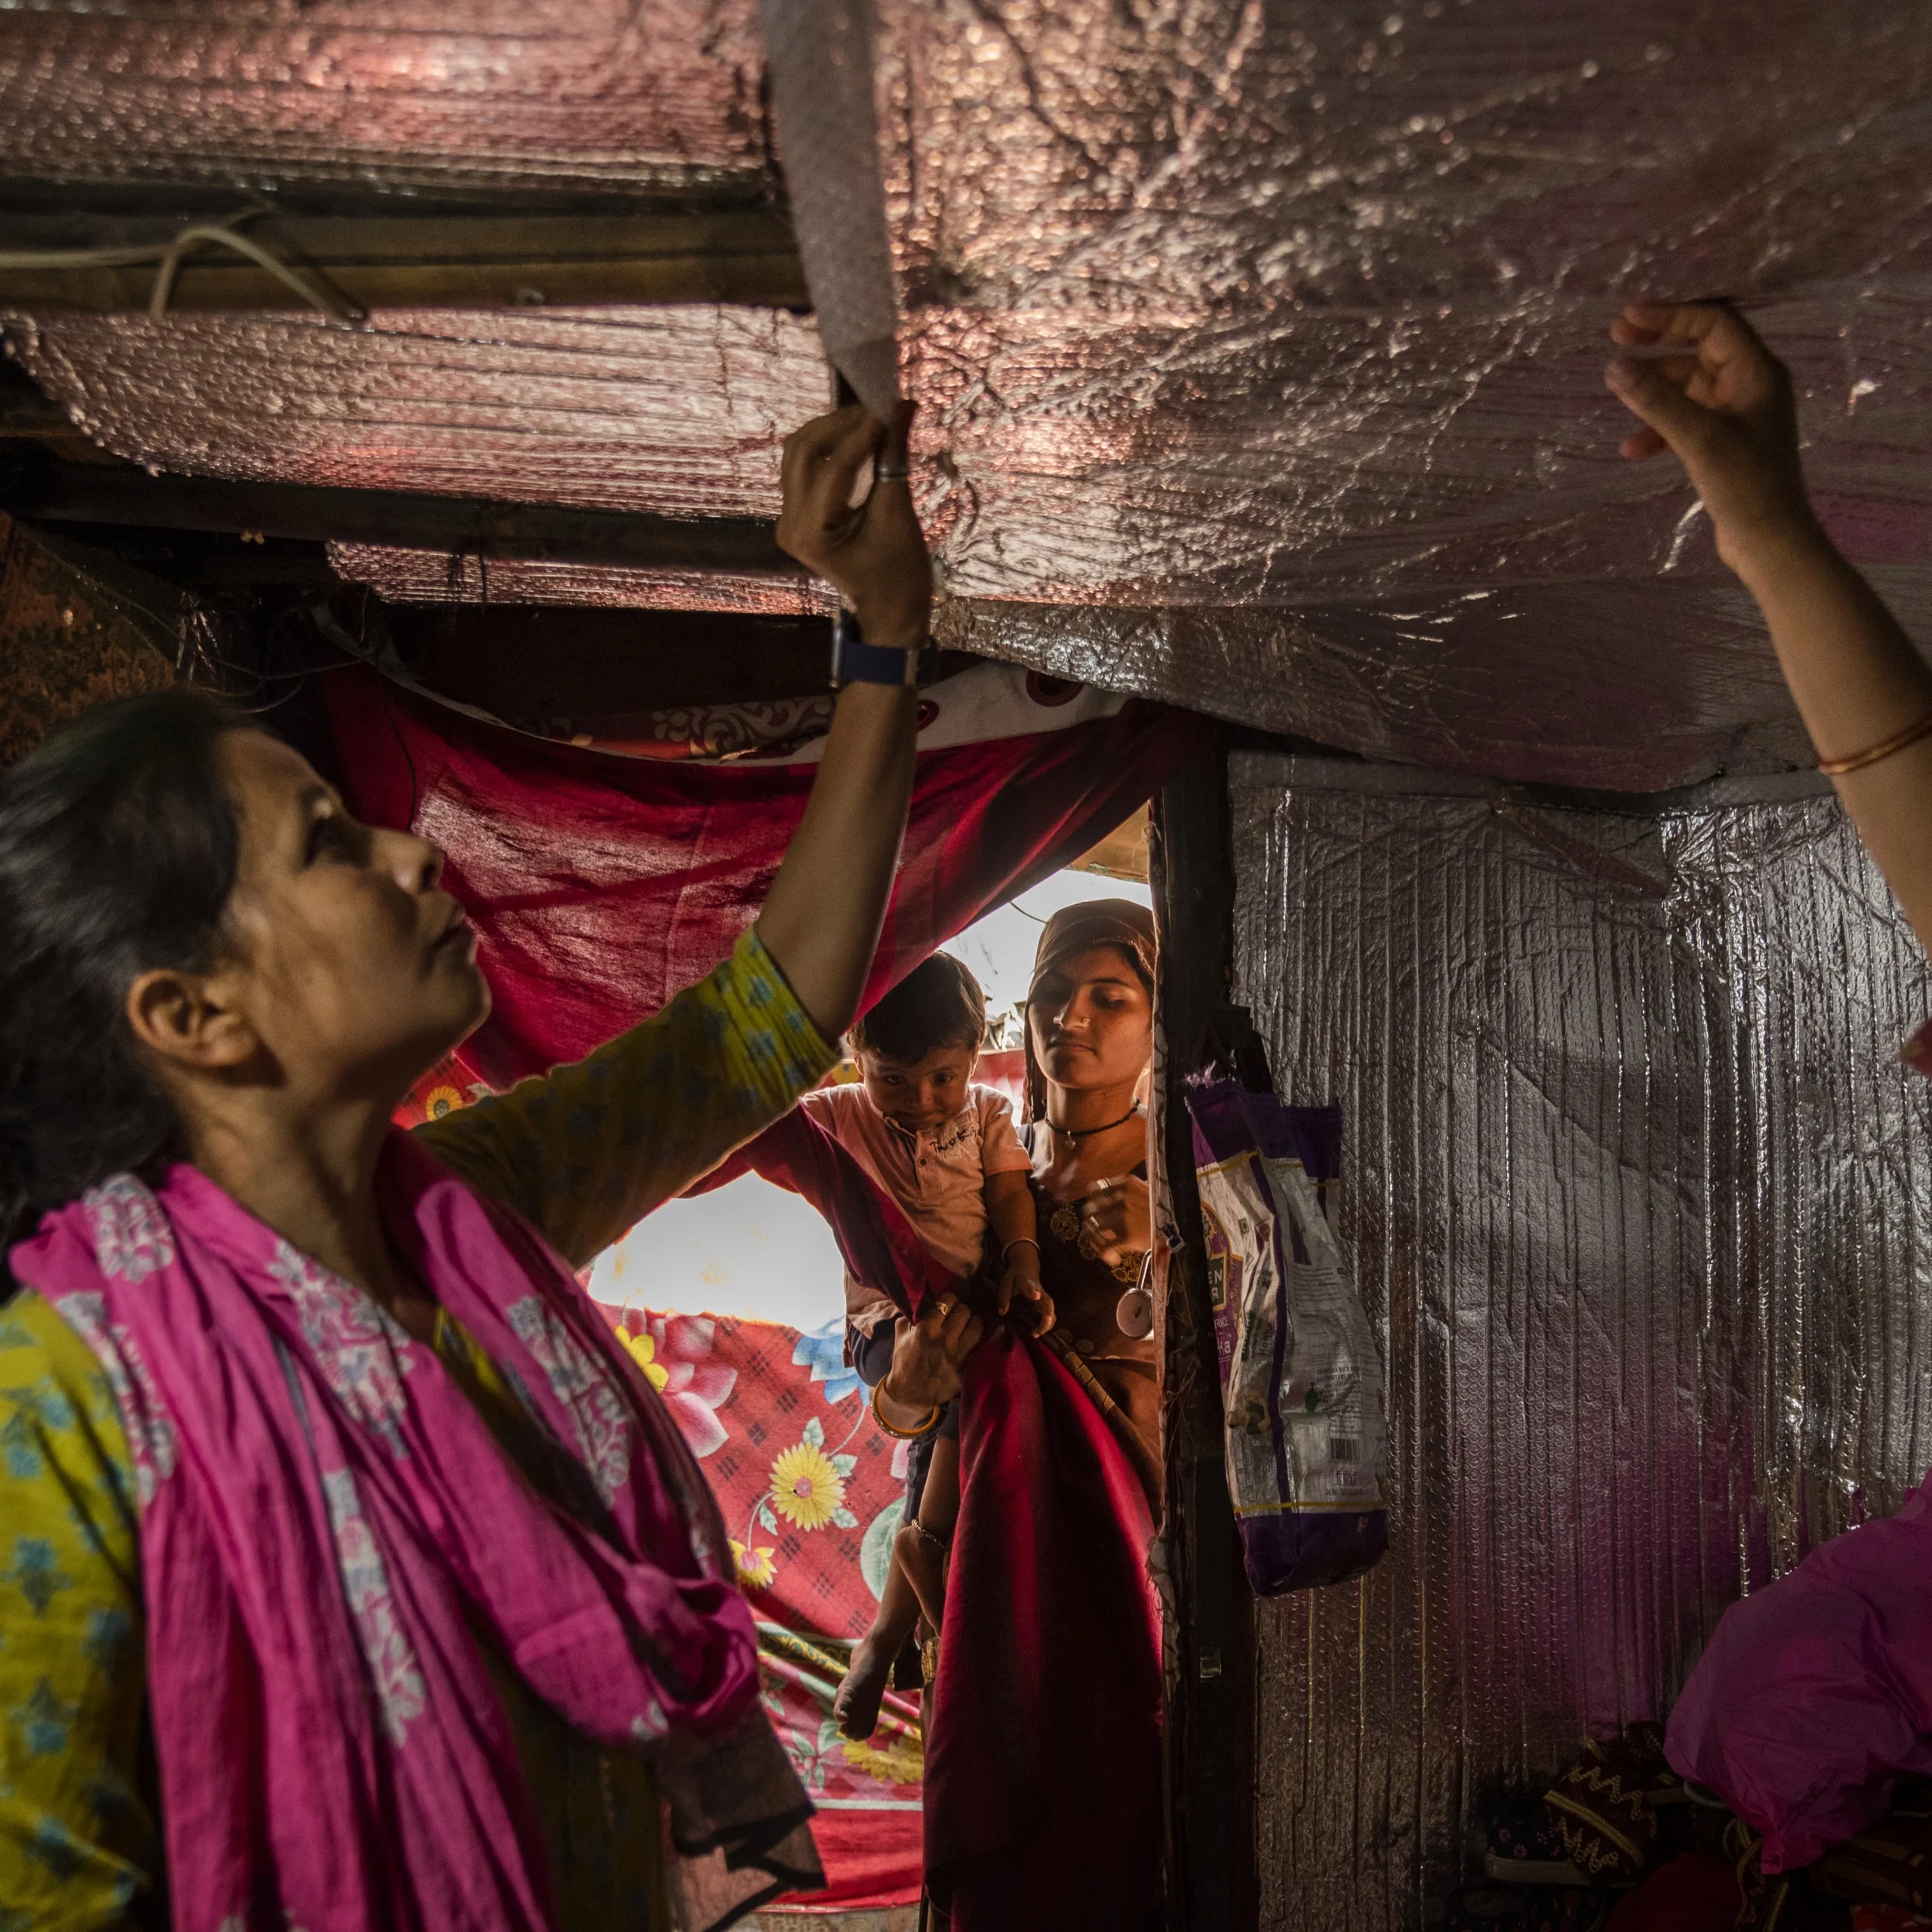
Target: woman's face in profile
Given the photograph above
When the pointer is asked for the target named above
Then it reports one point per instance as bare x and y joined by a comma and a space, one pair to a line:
1091, 1020
352, 968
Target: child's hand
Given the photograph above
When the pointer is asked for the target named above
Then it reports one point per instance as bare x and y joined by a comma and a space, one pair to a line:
1725, 408
1021, 1282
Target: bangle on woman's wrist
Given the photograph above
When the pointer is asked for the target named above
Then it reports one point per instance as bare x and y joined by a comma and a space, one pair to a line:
1837, 767
925, 1429
1019, 1240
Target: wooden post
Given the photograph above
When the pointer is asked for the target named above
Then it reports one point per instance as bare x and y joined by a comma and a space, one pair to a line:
1209, 1745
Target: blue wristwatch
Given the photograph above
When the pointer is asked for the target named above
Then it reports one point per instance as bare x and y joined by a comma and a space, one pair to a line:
856, 662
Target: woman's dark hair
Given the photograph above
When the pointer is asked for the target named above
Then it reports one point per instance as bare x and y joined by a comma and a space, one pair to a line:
118, 846
938, 1004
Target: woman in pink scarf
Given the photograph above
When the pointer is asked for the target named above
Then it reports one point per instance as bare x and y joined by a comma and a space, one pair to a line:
440, 1616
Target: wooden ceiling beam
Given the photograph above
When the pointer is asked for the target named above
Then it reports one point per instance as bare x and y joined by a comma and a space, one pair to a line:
516, 260
58, 492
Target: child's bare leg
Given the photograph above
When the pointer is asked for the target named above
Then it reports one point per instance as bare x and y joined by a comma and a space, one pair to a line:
939, 1501
921, 1547
862, 1689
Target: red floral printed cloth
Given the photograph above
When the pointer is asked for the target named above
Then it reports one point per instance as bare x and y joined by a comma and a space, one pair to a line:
811, 1491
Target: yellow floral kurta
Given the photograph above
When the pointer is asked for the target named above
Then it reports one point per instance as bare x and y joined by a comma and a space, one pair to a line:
583, 1153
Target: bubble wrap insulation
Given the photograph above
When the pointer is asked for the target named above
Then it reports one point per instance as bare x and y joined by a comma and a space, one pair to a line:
1259, 342
1641, 1200
436, 577
397, 94
820, 52
676, 410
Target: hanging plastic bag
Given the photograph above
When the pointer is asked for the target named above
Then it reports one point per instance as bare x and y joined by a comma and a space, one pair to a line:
1301, 1376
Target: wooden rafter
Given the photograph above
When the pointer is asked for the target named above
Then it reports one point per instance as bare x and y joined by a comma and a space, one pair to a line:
77, 493
744, 256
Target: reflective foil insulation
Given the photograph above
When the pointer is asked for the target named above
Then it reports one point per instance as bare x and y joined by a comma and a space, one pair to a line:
1641, 1198
568, 406
403, 94
433, 577
823, 94
1259, 342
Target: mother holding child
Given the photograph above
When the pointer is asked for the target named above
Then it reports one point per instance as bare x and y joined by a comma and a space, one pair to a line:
1027, 1391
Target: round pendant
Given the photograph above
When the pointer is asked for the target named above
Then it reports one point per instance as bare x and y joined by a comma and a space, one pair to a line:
1134, 1314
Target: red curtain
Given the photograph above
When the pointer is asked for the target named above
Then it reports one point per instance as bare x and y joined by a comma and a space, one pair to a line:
599, 885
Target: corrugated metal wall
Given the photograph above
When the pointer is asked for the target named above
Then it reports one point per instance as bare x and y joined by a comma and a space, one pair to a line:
1642, 1201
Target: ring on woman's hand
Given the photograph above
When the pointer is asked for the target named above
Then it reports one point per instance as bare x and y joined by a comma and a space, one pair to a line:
885, 473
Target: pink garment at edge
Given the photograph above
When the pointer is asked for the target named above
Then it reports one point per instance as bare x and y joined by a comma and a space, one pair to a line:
325, 1522
1816, 1692
937, 1178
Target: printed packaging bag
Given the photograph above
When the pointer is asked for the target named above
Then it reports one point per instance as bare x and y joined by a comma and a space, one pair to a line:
1301, 1376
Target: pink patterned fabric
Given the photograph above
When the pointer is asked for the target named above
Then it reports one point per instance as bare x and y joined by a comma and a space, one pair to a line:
328, 1530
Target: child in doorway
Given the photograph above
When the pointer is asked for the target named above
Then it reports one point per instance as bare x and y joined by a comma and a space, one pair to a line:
946, 1151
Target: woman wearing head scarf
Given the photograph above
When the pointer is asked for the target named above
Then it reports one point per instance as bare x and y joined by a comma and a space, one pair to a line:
1043, 1768
1089, 1038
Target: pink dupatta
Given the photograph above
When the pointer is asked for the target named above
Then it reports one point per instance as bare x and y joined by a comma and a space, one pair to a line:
329, 1532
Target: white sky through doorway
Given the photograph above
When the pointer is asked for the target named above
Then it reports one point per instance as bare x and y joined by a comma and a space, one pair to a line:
754, 1250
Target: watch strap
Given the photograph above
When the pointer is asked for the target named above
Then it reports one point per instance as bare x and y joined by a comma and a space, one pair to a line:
856, 662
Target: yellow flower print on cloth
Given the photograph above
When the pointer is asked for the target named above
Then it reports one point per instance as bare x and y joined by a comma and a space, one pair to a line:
757, 1570
894, 1757
808, 1487
644, 1351
442, 1101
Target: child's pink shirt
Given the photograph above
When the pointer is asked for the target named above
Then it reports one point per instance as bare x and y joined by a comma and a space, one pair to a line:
937, 1178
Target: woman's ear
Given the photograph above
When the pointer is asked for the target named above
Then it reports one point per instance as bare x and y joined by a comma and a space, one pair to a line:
183, 1019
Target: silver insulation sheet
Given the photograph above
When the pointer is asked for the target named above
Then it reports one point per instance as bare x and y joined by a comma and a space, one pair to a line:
1259, 342
674, 410
388, 93
824, 93
1641, 1198
439, 577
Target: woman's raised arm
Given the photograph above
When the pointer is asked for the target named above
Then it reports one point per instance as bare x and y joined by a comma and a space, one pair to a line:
821, 917
588, 1150
1724, 407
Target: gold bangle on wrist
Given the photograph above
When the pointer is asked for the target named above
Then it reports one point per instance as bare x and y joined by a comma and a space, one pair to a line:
925, 1429
1019, 1240
1837, 767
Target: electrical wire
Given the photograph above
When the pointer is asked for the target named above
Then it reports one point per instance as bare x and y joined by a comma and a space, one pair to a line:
167, 257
